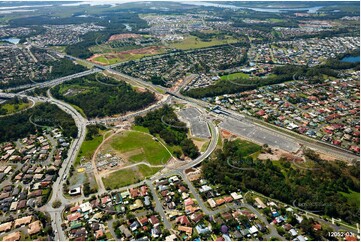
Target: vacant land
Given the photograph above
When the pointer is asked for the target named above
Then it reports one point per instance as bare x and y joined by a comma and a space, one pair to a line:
134, 54
87, 150
124, 36
193, 42
139, 146
128, 176
247, 148
9, 108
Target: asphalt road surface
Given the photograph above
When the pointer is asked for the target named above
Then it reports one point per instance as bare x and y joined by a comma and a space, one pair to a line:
259, 135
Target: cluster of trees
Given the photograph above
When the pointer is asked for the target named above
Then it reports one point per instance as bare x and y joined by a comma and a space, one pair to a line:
64, 67
319, 189
203, 36
18, 125
93, 131
157, 80
38, 92
113, 23
60, 67
240, 85
330, 68
87, 190
164, 122
81, 49
99, 100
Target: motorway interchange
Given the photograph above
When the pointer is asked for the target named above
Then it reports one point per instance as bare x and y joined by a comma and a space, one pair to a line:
233, 122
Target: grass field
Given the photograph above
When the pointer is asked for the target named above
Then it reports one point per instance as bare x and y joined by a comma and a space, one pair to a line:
13, 108
140, 128
193, 42
87, 149
121, 58
205, 146
248, 148
234, 76
352, 197
85, 64
128, 176
106, 61
152, 151
79, 110
275, 20
59, 48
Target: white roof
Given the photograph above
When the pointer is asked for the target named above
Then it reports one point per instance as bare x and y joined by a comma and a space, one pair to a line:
253, 229
211, 202
236, 196
293, 232
171, 237
85, 207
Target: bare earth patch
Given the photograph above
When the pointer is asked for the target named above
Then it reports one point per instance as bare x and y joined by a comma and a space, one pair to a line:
199, 143
125, 55
124, 36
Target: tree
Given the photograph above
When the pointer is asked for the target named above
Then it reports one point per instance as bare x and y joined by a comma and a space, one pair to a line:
86, 189
56, 204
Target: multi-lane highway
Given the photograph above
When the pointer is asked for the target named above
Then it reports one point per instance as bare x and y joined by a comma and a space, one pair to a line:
29, 87
253, 129
234, 122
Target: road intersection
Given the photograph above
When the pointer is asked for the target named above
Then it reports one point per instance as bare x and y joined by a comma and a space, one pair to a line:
203, 107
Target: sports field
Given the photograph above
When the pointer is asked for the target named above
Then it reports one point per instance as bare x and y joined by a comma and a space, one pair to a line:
234, 76
138, 147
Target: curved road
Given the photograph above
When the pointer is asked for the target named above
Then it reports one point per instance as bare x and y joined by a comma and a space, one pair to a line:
57, 192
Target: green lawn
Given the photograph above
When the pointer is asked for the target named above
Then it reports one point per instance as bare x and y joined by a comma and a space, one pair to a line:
152, 151
81, 111
248, 148
13, 108
128, 176
352, 197
275, 20
85, 64
87, 149
140, 128
234, 76
106, 61
148, 171
193, 42
59, 48
205, 146
219, 141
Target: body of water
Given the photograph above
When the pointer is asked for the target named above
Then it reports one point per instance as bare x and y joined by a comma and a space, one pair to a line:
269, 10
351, 59
14, 41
